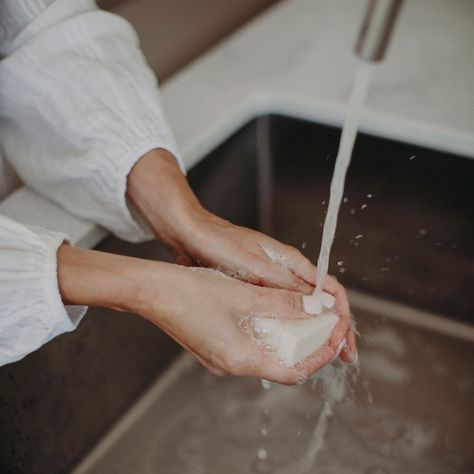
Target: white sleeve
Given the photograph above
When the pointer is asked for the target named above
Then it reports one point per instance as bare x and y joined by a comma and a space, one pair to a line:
31, 309
78, 108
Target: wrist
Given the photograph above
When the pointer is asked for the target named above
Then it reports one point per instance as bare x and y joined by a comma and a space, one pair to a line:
92, 278
160, 193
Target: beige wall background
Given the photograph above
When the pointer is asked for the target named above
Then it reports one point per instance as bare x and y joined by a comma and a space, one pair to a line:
174, 32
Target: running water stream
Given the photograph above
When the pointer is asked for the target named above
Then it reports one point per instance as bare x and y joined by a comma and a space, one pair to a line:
343, 159
333, 378
334, 383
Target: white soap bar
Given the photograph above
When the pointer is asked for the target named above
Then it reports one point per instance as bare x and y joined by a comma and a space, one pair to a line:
292, 340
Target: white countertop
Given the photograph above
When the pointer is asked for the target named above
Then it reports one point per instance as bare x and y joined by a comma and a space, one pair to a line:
296, 59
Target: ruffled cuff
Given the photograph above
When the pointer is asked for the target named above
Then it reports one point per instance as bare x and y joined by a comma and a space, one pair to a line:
31, 310
128, 224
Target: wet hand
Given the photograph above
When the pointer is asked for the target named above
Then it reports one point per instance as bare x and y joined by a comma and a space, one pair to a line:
209, 314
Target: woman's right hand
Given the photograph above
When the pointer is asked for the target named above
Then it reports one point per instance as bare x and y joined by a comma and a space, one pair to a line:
203, 310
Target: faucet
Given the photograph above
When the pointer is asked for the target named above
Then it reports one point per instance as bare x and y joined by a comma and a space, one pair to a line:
376, 29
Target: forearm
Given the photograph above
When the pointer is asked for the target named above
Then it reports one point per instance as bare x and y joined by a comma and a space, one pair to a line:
92, 278
160, 193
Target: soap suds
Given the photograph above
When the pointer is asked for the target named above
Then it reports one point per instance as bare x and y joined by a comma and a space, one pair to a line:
333, 378
276, 257
293, 340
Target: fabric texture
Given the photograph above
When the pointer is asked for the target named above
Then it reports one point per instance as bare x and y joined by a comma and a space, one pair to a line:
78, 108
31, 309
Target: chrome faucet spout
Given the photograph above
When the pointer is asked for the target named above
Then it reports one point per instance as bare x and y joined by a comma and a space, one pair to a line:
377, 28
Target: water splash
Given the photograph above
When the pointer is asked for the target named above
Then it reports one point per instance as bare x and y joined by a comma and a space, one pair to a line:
334, 377
334, 380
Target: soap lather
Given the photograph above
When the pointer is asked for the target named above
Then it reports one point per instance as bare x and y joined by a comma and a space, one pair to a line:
293, 340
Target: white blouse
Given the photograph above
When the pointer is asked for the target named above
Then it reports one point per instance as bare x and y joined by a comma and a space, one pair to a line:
78, 108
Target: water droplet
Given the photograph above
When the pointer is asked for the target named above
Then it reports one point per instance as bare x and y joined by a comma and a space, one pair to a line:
264, 431
303, 245
385, 269
266, 384
364, 206
342, 270
340, 263
421, 233
356, 244
369, 195
412, 157
262, 454
323, 203
359, 236
345, 200
353, 211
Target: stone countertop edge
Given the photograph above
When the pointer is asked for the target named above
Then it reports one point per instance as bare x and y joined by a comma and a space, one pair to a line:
296, 59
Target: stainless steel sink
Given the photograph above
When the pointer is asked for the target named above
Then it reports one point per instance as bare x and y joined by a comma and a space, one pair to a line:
409, 408
408, 411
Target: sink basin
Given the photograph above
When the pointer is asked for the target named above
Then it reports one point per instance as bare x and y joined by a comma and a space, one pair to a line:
410, 412
409, 407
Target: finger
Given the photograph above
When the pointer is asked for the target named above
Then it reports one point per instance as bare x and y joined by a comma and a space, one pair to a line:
316, 361
276, 276
280, 304
349, 352
340, 332
289, 266
302, 267
334, 288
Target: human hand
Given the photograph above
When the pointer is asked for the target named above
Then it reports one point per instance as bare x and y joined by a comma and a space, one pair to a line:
210, 314
161, 194
205, 311
159, 191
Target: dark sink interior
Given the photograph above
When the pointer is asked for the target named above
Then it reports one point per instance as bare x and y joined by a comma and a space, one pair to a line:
416, 248
412, 206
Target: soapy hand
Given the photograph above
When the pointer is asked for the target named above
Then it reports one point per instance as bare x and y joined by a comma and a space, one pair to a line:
207, 312
211, 316
160, 193
247, 255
